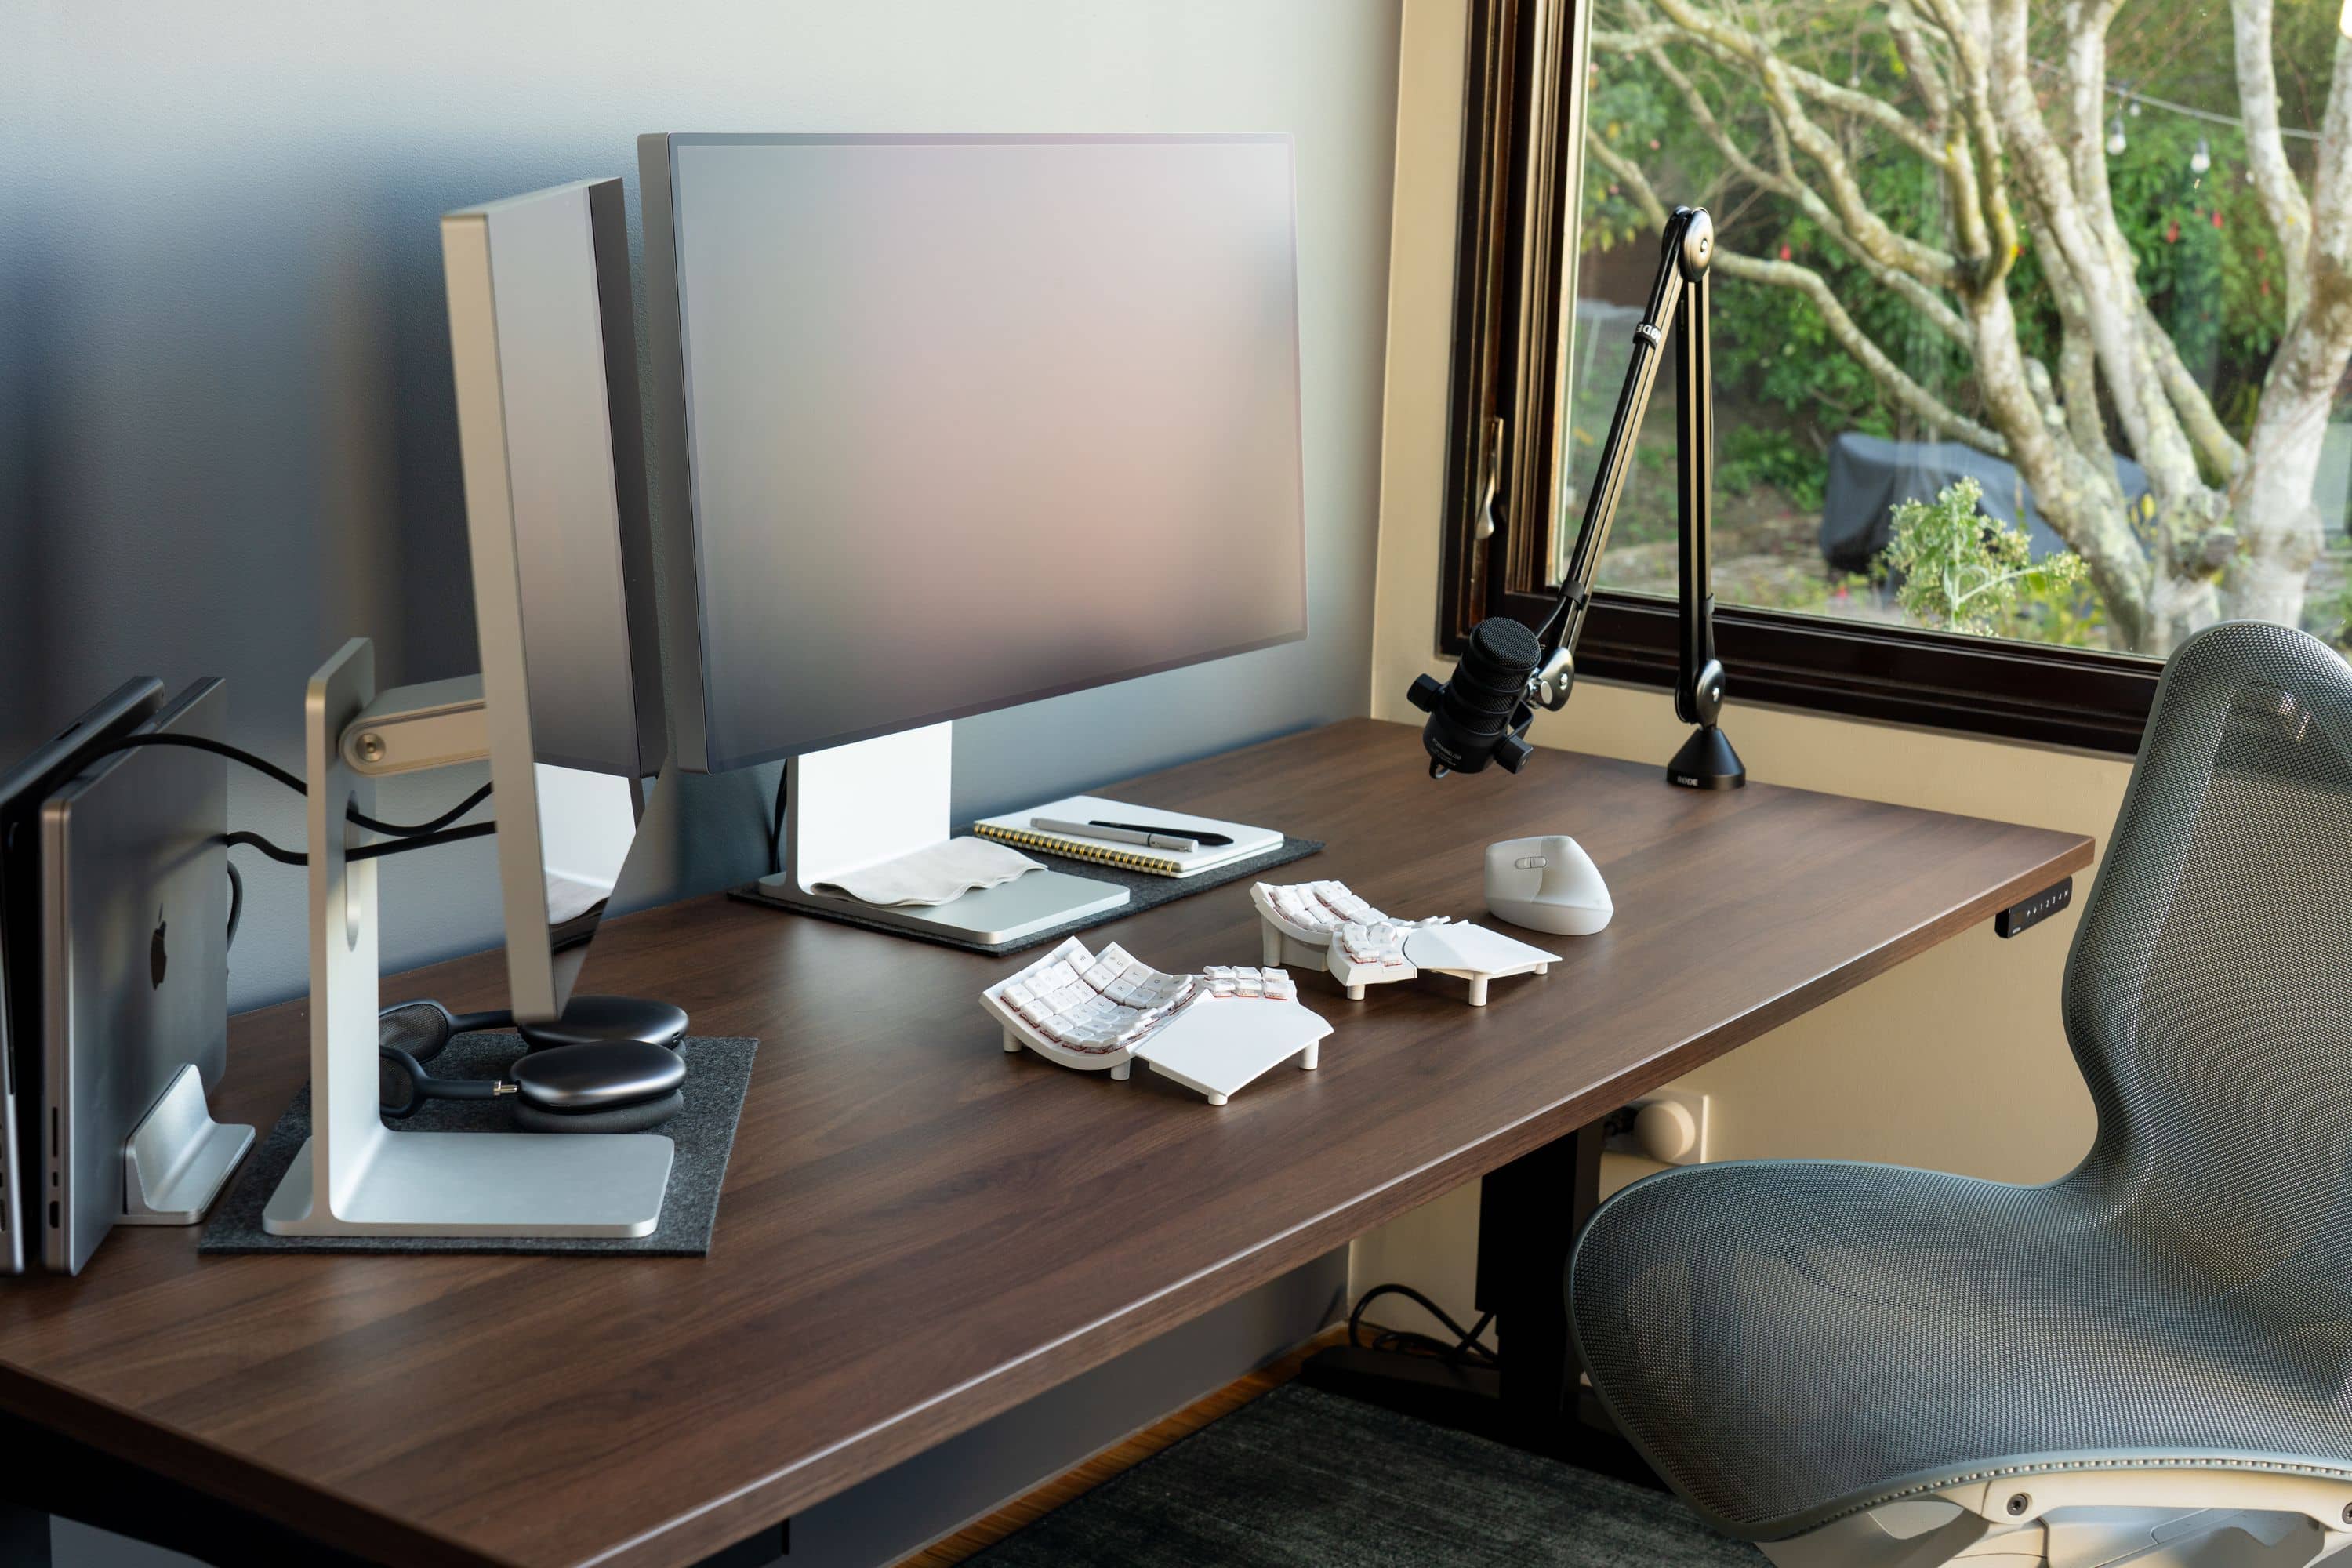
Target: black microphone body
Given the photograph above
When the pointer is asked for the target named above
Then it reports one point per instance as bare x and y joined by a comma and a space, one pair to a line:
1472, 717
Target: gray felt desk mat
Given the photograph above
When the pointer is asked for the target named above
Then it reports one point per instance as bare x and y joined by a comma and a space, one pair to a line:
1144, 892
718, 1073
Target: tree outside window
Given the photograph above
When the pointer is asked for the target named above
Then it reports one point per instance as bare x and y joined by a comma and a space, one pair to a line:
2094, 258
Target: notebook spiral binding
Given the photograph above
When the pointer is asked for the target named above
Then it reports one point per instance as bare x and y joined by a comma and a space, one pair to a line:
1101, 854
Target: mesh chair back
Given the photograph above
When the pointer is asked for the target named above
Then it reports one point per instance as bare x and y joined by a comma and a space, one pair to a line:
2208, 993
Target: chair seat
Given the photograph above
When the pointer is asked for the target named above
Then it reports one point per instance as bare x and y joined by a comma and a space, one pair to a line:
1789, 1342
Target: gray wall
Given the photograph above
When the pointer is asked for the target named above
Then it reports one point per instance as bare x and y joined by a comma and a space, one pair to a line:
226, 438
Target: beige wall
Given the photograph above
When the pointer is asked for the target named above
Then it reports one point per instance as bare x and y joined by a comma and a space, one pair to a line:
1955, 1060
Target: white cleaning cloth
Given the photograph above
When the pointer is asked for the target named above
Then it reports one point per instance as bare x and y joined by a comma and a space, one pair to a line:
934, 874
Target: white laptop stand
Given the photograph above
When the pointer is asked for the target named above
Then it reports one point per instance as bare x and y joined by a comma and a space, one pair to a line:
855, 806
354, 1176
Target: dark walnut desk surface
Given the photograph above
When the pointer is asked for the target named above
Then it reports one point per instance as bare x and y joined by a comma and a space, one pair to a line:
919, 1230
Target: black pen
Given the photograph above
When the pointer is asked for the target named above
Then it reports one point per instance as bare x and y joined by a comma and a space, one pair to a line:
1212, 840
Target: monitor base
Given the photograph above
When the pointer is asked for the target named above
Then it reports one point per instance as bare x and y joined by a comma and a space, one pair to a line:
1034, 902
354, 1176
484, 1183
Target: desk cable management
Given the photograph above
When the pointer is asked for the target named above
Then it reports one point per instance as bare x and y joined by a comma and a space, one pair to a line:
1467, 1345
405, 836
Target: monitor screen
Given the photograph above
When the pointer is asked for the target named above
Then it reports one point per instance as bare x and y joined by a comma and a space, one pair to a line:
966, 422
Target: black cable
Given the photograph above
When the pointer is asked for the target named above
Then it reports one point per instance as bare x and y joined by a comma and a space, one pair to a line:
235, 903
422, 841
256, 841
200, 743
436, 826
366, 851
1466, 1343
776, 825
272, 771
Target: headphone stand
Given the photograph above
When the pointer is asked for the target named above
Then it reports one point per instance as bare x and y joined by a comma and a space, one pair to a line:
354, 1175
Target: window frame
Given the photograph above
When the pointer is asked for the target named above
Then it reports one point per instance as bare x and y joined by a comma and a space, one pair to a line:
1522, 163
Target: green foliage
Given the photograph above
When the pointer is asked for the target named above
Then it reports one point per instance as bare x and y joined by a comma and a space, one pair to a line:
2216, 285
1961, 569
1754, 455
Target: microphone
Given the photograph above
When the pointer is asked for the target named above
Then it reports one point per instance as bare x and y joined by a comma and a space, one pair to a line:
1470, 716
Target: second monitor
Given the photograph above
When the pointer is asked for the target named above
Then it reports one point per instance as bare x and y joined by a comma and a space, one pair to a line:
958, 423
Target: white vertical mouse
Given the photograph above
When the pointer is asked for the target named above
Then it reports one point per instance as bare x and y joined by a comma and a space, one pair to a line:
1547, 884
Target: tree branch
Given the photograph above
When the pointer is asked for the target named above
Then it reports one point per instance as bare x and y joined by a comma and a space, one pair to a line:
1726, 41
2274, 180
2331, 209
1783, 181
1871, 233
2212, 439
1965, 26
1912, 396
2091, 248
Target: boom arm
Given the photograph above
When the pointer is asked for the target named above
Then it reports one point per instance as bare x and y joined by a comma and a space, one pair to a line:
1683, 293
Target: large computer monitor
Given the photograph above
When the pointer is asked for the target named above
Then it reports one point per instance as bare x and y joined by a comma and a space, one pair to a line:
947, 423
543, 348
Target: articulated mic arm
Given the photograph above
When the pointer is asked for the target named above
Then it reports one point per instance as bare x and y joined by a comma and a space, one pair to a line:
1506, 672
1682, 292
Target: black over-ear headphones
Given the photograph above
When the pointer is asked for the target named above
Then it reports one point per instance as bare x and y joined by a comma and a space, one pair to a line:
601, 1085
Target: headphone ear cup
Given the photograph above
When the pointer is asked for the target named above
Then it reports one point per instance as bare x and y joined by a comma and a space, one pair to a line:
636, 1117
420, 1028
398, 1080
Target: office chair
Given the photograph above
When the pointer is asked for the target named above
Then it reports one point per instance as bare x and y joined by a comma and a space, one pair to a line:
2147, 1362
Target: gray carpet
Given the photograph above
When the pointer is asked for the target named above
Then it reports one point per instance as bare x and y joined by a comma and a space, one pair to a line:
718, 1074
1302, 1478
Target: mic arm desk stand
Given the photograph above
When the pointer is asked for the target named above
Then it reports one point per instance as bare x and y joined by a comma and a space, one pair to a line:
354, 1176
1706, 760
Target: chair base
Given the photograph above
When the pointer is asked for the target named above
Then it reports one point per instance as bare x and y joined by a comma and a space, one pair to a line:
1931, 1533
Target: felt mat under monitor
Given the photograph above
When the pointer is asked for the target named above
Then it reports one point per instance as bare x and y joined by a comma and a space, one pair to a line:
717, 1075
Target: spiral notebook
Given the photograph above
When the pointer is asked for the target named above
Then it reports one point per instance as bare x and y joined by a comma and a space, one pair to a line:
1014, 828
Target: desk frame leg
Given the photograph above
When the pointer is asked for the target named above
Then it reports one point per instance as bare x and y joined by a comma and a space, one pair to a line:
1530, 1213
24, 1536
51, 1475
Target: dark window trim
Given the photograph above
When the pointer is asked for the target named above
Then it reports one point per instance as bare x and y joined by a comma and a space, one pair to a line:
1522, 145
1975, 686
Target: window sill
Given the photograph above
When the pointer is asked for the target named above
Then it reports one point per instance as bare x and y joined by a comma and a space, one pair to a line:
2080, 698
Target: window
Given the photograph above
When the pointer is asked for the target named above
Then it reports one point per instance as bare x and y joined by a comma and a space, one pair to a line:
2030, 332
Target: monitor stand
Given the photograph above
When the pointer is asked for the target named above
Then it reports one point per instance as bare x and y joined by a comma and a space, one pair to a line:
354, 1176
854, 807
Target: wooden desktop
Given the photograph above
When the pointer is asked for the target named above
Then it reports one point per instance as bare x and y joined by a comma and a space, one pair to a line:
919, 1230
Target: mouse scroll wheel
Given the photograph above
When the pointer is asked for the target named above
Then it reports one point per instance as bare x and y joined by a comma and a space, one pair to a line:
1532, 862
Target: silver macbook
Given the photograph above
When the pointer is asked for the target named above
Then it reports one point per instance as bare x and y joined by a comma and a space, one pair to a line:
22, 788
135, 936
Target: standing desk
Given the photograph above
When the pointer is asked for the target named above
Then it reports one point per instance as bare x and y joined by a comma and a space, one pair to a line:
919, 1230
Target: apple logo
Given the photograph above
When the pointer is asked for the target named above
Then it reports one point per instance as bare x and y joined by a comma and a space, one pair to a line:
156, 958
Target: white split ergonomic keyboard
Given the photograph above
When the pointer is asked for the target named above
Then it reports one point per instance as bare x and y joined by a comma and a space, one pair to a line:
1326, 926
1211, 1032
